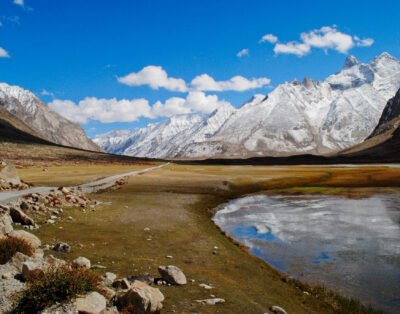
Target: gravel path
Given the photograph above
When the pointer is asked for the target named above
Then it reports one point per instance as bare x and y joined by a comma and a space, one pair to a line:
6, 197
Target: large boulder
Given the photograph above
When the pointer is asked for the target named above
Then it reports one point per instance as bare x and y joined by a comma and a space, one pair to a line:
172, 274
92, 303
33, 240
142, 298
19, 216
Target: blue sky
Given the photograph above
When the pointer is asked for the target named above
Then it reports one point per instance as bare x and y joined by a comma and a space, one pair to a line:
77, 50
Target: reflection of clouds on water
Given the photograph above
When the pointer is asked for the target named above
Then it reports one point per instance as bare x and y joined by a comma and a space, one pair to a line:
347, 243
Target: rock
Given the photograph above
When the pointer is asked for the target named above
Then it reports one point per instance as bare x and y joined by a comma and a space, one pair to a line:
143, 298
62, 247
92, 303
32, 269
205, 286
9, 174
53, 261
277, 310
107, 292
143, 278
50, 221
81, 262
18, 215
18, 259
109, 278
123, 284
29, 237
172, 274
5, 224
98, 266
24, 205
211, 301
64, 190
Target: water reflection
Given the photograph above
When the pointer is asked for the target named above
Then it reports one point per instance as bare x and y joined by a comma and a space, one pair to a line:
351, 245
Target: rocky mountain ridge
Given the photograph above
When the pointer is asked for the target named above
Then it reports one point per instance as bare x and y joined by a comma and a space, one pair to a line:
40, 120
309, 117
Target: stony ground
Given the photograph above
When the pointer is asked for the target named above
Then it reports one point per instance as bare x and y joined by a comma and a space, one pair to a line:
162, 218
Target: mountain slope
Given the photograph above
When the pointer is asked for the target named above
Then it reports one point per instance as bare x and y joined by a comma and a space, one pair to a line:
309, 117
34, 117
384, 142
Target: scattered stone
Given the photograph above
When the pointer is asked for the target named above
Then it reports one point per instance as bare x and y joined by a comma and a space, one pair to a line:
107, 292
32, 269
205, 286
18, 259
50, 221
109, 278
92, 303
169, 257
6, 275
18, 215
212, 301
123, 284
143, 298
143, 278
97, 266
146, 229
5, 223
62, 247
81, 262
172, 275
277, 310
29, 237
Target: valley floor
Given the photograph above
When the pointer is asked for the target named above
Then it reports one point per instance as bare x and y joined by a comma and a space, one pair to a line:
166, 212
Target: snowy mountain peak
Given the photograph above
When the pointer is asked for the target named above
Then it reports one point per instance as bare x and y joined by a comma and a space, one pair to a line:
350, 61
42, 121
315, 117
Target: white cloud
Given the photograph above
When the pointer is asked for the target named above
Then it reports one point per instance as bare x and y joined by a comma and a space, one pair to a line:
366, 42
295, 48
194, 102
103, 110
113, 110
327, 37
45, 92
155, 77
237, 83
4, 53
19, 2
243, 53
271, 38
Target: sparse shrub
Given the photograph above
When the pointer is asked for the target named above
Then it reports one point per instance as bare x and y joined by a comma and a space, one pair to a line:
9, 246
57, 285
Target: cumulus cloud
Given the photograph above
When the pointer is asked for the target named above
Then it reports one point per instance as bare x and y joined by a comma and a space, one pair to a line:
271, 38
366, 42
4, 53
295, 48
327, 37
155, 77
243, 53
237, 83
113, 110
195, 101
103, 110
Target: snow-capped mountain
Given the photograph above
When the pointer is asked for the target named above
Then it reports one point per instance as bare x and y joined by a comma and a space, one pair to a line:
316, 117
41, 120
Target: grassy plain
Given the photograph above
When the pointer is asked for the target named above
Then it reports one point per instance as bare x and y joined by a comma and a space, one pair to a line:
176, 202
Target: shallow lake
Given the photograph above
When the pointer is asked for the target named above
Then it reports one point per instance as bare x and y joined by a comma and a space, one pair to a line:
349, 245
